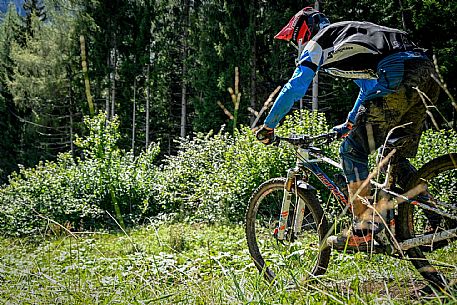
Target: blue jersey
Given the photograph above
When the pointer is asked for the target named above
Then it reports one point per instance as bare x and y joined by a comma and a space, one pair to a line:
370, 54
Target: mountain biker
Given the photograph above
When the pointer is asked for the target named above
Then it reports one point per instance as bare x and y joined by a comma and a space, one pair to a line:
390, 71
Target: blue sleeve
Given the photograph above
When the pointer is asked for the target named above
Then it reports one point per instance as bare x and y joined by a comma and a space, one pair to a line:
391, 72
292, 91
365, 85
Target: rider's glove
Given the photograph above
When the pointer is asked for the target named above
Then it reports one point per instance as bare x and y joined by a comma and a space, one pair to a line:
343, 130
265, 135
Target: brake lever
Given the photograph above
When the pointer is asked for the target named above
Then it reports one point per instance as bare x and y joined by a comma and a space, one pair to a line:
331, 137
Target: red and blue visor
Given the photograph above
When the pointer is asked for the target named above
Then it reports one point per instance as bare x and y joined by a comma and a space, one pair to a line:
304, 25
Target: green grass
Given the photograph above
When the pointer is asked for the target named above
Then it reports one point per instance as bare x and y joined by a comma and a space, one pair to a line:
184, 264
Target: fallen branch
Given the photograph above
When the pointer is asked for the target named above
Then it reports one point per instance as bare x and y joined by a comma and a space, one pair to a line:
265, 106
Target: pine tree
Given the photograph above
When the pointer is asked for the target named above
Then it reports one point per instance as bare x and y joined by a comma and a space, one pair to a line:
9, 124
33, 8
41, 85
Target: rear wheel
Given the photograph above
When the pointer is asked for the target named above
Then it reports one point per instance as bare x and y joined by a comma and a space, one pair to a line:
298, 257
435, 261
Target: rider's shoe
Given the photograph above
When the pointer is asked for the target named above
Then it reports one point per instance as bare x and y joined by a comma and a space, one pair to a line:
360, 238
351, 242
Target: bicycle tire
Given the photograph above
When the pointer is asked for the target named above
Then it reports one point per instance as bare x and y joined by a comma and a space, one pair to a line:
292, 260
438, 269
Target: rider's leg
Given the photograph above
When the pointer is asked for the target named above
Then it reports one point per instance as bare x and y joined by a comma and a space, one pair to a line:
358, 190
402, 107
355, 167
354, 153
381, 119
417, 75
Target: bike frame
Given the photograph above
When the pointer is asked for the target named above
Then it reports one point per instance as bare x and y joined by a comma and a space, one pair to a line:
307, 161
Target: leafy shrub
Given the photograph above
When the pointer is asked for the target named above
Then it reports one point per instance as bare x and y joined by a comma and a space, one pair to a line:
434, 144
78, 193
210, 178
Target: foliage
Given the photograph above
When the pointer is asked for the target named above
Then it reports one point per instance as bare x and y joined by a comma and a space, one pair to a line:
10, 147
40, 71
134, 51
136, 65
104, 186
210, 179
38, 80
434, 144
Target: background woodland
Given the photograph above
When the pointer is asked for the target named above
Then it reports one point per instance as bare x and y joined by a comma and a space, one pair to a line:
162, 67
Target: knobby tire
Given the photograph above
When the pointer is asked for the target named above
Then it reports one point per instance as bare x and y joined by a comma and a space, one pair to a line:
441, 177
285, 259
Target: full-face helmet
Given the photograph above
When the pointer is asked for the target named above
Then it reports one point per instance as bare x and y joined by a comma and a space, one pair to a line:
303, 26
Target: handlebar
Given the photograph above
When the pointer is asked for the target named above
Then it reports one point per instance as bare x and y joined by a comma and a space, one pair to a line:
308, 141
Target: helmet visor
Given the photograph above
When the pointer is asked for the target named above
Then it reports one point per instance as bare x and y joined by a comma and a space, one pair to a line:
297, 27
287, 32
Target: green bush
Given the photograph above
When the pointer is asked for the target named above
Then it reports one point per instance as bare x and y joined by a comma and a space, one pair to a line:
210, 179
434, 144
82, 193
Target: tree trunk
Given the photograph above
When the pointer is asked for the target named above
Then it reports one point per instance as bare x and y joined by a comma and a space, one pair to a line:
90, 101
253, 59
183, 101
72, 148
134, 115
70, 97
405, 18
113, 57
184, 70
148, 95
108, 96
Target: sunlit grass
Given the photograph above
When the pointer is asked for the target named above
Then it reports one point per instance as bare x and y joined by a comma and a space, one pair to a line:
184, 264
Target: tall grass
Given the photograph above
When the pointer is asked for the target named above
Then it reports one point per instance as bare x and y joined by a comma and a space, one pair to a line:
185, 264
209, 181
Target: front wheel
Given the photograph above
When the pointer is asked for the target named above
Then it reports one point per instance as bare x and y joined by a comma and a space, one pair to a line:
436, 261
299, 256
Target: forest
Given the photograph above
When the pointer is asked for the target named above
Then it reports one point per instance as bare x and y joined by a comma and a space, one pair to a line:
127, 152
162, 67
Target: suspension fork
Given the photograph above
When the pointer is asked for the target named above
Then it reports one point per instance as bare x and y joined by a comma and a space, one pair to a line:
286, 200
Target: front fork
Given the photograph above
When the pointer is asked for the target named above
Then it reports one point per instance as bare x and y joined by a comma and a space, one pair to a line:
285, 207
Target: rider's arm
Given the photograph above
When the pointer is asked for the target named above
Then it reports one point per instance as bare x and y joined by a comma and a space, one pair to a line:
292, 91
390, 70
297, 86
365, 85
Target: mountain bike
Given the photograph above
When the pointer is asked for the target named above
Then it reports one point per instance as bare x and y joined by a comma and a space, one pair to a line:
287, 225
